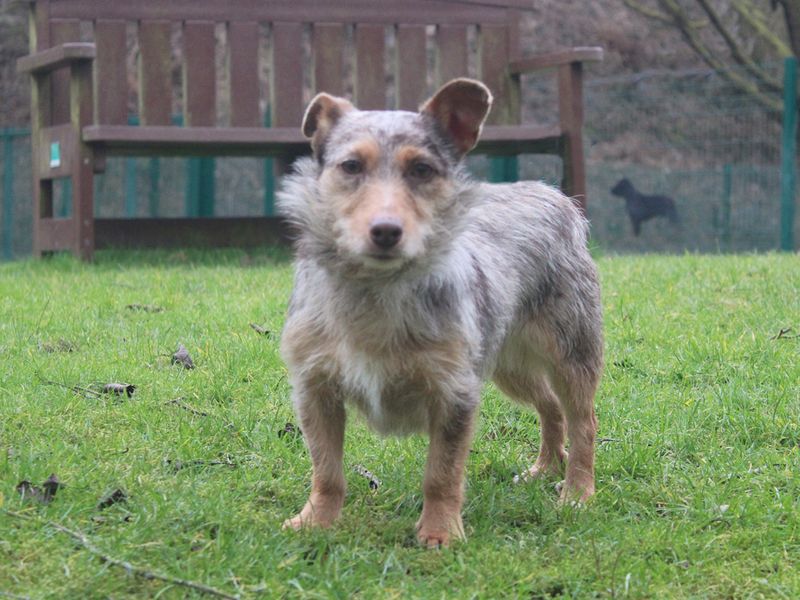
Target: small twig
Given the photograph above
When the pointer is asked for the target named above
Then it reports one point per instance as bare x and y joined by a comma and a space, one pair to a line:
38, 322
783, 334
84, 541
260, 330
72, 388
180, 404
607, 440
201, 462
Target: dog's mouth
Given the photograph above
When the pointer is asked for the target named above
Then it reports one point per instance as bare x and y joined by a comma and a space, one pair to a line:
383, 260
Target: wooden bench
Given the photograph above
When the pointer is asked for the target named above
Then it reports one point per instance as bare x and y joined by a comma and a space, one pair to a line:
83, 91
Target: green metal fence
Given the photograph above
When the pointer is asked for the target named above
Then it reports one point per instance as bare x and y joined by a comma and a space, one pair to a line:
728, 165
690, 135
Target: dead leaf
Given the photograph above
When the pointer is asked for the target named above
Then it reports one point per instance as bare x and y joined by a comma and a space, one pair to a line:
119, 389
43, 494
112, 498
374, 482
181, 357
149, 308
60, 345
260, 330
290, 429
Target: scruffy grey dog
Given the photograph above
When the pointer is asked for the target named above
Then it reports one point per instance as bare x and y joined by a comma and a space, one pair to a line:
414, 284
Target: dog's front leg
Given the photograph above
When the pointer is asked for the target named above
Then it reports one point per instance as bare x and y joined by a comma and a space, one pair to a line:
322, 417
443, 486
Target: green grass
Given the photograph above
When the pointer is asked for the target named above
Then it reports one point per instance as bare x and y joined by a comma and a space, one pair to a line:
699, 412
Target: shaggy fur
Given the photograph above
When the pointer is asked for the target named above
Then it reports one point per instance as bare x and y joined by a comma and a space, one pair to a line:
485, 282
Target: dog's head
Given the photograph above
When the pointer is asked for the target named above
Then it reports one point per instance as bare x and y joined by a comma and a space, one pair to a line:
384, 188
623, 187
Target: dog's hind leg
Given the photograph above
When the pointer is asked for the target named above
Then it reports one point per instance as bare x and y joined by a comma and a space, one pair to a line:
534, 390
576, 388
322, 418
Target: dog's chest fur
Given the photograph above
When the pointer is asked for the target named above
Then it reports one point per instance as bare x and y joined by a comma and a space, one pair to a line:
394, 357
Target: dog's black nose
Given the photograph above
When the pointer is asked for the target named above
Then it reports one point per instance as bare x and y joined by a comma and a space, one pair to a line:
385, 234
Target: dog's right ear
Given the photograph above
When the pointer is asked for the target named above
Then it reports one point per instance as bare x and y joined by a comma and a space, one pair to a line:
321, 115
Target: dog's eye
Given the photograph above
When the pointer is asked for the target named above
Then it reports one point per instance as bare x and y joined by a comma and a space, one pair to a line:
352, 166
421, 170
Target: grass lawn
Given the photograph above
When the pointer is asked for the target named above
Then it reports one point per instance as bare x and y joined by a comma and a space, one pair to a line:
698, 464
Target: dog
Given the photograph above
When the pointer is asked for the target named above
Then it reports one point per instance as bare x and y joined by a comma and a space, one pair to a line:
413, 284
642, 208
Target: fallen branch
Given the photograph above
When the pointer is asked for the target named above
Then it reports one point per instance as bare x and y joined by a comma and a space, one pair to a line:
87, 544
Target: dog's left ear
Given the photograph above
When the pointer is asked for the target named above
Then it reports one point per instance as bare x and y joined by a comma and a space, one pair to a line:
321, 115
460, 107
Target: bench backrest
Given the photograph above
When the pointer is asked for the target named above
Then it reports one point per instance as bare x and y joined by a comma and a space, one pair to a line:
245, 62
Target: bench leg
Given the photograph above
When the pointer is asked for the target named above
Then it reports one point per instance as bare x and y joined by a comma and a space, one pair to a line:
573, 182
83, 204
570, 108
42, 209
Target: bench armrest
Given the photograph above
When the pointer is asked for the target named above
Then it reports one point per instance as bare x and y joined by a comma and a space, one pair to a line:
556, 59
49, 60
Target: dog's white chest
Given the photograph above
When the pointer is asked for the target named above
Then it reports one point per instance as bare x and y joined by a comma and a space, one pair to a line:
365, 377
384, 392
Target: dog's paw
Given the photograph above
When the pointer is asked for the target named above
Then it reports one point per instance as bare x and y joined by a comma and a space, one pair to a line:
433, 540
436, 533
297, 522
540, 470
321, 512
572, 495
302, 521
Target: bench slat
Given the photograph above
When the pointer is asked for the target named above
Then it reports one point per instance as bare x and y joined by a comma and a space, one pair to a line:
451, 53
411, 66
493, 61
270, 141
287, 74
370, 73
155, 72
243, 71
111, 72
195, 232
422, 12
327, 48
196, 141
199, 74
60, 33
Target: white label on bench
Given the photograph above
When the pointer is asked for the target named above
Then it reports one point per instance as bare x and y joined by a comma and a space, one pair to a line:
55, 155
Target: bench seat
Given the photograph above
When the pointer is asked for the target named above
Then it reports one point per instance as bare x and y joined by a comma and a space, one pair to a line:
274, 141
224, 70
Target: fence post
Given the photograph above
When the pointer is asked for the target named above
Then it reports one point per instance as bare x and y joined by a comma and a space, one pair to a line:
788, 152
727, 188
8, 193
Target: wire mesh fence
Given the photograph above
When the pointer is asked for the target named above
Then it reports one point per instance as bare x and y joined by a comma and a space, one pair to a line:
691, 136
687, 135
